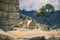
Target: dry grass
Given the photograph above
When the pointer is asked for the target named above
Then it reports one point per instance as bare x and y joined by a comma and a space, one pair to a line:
25, 33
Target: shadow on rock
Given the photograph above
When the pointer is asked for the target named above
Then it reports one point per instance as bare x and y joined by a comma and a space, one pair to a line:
38, 38
6, 37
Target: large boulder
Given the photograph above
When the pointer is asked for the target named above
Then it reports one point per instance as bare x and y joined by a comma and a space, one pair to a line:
38, 38
1, 30
5, 36
43, 38
53, 38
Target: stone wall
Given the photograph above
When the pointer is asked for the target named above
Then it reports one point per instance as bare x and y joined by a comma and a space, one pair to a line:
9, 13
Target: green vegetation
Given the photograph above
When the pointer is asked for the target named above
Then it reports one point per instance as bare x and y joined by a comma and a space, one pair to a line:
46, 11
57, 26
24, 17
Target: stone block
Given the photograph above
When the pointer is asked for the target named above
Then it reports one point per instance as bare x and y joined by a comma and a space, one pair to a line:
1, 1
16, 1
1, 14
1, 6
7, 1
4, 21
13, 22
13, 8
5, 7
14, 15
4, 14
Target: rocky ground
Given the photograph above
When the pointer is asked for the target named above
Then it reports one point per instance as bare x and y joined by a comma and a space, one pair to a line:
30, 30
26, 34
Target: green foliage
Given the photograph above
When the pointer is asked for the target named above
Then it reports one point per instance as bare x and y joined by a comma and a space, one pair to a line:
57, 26
49, 9
46, 11
37, 14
